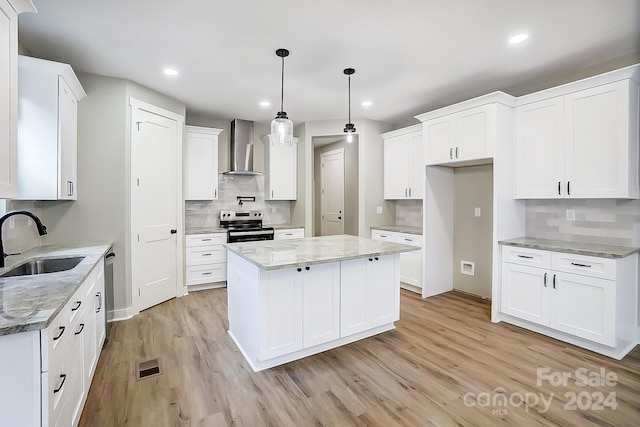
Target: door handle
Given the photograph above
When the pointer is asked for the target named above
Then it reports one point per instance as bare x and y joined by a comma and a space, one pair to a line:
405, 192
559, 186
339, 217
174, 231
457, 152
409, 191
545, 280
568, 188
451, 153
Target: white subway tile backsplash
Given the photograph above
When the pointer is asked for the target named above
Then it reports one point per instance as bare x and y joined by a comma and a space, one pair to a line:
409, 212
207, 213
24, 235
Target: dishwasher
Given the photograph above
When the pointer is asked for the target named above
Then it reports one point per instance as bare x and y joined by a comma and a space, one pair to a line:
109, 258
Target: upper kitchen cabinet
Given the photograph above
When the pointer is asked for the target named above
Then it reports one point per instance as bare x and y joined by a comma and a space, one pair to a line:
9, 11
403, 164
281, 168
47, 130
580, 140
465, 133
201, 163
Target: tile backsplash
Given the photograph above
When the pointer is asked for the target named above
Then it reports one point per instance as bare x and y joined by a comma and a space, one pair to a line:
604, 221
409, 212
24, 234
207, 212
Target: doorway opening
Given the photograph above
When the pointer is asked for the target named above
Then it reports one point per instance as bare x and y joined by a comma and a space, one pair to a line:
335, 185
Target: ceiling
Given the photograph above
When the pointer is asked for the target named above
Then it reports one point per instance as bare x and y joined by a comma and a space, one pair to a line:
410, 56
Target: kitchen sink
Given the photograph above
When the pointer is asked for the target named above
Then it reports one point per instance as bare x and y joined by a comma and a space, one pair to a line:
42, 266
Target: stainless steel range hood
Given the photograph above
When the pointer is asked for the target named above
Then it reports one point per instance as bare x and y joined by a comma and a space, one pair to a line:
241, 148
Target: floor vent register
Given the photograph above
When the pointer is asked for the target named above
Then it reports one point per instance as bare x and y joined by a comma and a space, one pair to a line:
148, 368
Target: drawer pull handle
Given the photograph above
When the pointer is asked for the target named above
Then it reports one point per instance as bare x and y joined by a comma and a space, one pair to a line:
60, 334
207, 254
525, 256
205, 240
78, 304
409, 240
288, 234
64, 377
99, 297
384, 235
577, 264
545, 280
206, 273
81, 329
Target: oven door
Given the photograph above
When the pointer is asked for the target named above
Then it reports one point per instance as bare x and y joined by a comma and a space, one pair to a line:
234, 236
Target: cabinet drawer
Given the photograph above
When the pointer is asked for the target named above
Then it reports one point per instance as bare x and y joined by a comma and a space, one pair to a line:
206, 239
202, 255
382, 235
409, 239
197, 275
526, 256
54, 337
294, 233
603, 268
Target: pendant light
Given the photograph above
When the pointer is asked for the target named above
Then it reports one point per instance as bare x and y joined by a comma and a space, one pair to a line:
281, 126
349, 128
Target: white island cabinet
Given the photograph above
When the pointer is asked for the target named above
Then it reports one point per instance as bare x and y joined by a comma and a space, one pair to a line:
295, 298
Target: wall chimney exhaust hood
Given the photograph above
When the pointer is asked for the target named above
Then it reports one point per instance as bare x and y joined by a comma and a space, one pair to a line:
241, 148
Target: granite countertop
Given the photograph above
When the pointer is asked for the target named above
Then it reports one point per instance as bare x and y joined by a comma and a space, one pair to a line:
29, 303
205, 229
399, 229
580, 248
278, 254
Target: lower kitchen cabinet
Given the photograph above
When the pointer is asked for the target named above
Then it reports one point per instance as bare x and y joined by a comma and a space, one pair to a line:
206, 260
299, 308
50, 371
368, 294
580, 296
288, 233
410, 262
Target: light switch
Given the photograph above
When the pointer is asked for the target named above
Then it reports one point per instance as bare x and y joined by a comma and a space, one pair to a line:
477, 211
379, 209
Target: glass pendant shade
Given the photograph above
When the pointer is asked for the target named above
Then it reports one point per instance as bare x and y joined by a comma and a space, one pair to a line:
282, 129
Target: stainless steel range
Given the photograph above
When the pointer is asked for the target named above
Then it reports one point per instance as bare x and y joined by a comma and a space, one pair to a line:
245, 226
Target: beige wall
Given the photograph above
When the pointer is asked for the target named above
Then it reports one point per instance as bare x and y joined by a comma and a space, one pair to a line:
350, 185
472, 236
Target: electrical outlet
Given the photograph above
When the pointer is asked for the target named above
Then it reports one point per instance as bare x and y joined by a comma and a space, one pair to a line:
379, 209
571, 215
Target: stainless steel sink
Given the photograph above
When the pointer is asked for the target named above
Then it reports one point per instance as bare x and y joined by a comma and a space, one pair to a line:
42, 266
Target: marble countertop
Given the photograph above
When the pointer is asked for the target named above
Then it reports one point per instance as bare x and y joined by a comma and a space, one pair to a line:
29, 303
278, 254
580, 248
399, 229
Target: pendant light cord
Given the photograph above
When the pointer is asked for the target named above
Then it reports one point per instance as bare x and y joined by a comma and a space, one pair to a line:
349, 98
282, 88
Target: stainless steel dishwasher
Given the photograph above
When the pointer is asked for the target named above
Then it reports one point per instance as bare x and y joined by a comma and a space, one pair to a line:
109, 258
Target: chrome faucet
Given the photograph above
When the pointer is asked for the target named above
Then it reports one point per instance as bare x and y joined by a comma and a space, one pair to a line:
42, 230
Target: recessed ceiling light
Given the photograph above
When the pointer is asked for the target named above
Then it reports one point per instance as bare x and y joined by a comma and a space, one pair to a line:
518, 38
265, 104
170, 71
366, 103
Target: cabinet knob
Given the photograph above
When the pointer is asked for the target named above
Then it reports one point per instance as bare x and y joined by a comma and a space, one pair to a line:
370, 259
299, 269
307, 268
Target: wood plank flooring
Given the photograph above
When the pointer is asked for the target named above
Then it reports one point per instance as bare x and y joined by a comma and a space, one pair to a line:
445, 364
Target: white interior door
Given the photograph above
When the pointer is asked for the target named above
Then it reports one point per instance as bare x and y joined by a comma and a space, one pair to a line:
332, 192
155, 140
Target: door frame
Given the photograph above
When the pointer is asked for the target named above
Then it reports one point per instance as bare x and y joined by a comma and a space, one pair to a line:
340, 150
137, 105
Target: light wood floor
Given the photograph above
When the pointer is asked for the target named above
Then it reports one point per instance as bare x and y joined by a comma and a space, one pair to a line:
443, 349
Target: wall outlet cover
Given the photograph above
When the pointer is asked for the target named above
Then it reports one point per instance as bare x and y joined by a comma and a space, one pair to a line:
468, 268
477, 212
379, 209
571, 215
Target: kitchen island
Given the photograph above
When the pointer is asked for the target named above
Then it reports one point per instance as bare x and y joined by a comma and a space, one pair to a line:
294, 298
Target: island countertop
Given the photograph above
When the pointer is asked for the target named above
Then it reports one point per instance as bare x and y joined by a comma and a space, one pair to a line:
29, 303
278, 254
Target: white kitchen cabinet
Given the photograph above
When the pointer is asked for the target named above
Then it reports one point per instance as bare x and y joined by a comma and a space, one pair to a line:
403, 164
299, 308
281, 169
580, 143
50, 370
206, 260
201, 163
288, 233
9, 10
47, 126
465, 133
410, 262
369, 294
581, 296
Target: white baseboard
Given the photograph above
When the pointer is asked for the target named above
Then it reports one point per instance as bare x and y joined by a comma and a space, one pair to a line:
121, 314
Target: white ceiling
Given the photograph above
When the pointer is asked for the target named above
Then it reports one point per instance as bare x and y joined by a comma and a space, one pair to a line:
410, 56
